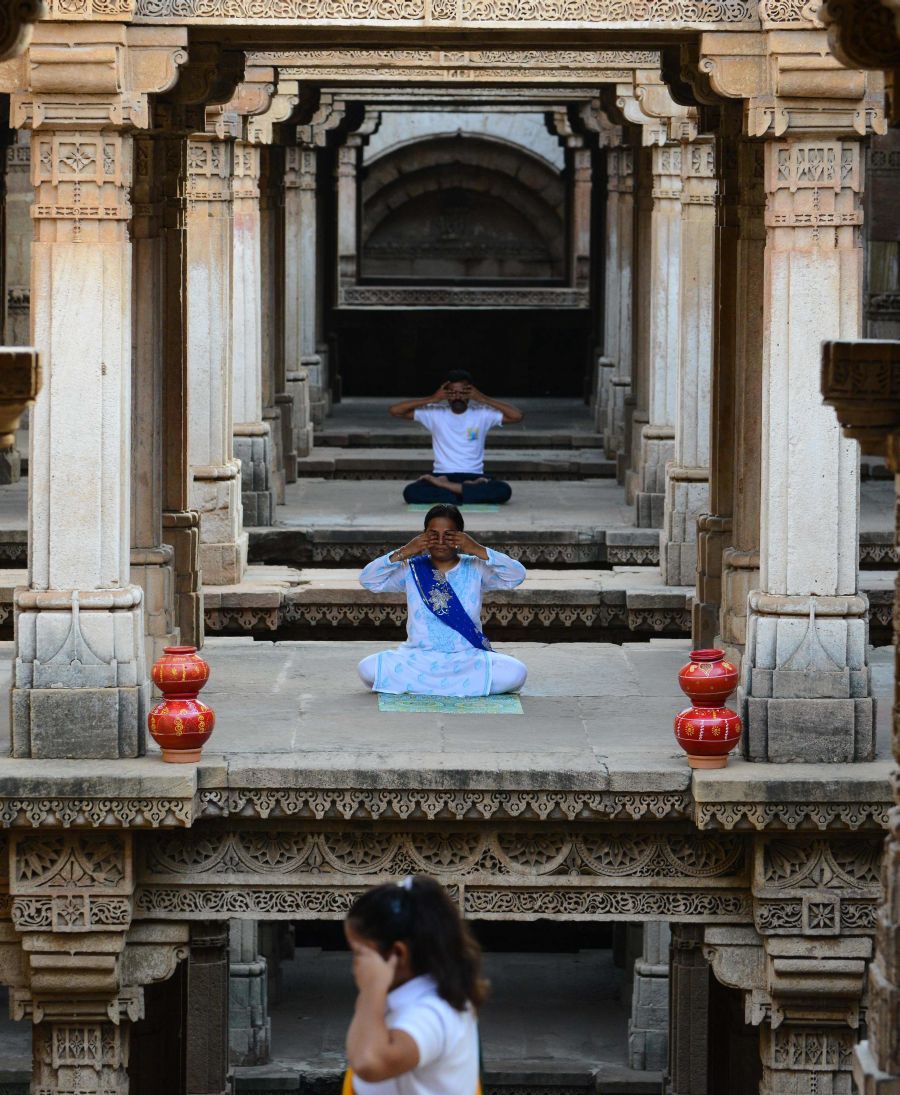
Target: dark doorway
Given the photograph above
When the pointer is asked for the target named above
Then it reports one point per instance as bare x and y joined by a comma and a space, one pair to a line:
511, 353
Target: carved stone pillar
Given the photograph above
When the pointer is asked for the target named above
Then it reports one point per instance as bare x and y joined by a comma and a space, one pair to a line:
79, 680
250, 1030
271, 212
882, 297
83, 962
17, 232
618, 317
861, 380
216, 487
638, 399
207, 1010
300, 294
687, 477
181, 523
805, 691
740, 560
152, 560
688, 1013
648, 1027
252, 441
658, 436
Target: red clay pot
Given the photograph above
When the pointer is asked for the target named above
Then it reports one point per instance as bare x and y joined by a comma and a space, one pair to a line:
708, 679
707, 735
180, 724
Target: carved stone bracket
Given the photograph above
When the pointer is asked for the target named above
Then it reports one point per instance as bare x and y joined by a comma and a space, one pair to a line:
861, 380
791, 82
16, 23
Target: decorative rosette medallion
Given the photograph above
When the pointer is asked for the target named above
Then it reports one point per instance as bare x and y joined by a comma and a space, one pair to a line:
180, 724
707, 730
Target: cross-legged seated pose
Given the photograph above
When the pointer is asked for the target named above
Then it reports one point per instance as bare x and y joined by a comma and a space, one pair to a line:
443, 572
458, 433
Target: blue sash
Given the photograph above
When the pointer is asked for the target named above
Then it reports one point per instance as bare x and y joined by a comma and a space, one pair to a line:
439, 597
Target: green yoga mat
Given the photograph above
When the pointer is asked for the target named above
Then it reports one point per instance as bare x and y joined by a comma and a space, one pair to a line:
507, 704
475, 507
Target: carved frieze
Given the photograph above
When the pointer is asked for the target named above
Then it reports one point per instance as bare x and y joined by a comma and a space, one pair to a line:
493, 874
364, 296
642, 14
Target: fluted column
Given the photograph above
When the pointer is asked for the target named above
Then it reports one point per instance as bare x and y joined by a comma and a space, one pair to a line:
658, 436
805, 690
271, 208
687, 477
216, 486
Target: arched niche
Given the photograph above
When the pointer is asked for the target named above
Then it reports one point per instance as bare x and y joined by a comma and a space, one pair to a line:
462, 208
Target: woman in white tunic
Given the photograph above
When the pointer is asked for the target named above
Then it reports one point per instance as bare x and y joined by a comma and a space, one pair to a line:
443, 572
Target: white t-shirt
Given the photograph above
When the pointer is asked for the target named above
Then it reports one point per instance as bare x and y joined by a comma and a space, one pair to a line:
458, 439
447, 1041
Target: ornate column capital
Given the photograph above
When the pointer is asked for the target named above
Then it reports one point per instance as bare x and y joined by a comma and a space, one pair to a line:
285, 100
329, 114
791, 82
92, 75
594, 119
861, 381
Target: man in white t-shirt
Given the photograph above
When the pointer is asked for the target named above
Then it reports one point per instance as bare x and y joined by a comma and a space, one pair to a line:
458, 432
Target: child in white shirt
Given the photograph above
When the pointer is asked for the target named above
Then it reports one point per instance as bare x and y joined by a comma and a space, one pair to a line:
418, 971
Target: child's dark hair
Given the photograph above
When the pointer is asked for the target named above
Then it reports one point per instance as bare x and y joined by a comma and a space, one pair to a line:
444, 509
420, 913
458, 376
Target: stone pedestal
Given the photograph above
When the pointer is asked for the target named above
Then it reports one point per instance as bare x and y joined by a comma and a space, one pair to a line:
252, 442
79, 680
249, 1027
658, 436
216, 485
687, 477
805, 689
648, 1028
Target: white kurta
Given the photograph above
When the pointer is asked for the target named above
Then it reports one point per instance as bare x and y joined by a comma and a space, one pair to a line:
435, 660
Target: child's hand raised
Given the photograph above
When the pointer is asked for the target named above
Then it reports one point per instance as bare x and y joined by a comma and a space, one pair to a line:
372, 973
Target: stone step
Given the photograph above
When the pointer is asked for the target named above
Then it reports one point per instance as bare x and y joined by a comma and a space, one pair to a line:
349, 545
399, 463
412, 437
553, 605
501, 1078
550, 606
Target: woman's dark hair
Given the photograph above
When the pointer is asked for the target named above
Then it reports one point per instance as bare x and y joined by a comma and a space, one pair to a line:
419, 912
458, 376
444, 509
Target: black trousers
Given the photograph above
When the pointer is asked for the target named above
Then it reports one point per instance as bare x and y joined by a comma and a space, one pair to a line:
423, 493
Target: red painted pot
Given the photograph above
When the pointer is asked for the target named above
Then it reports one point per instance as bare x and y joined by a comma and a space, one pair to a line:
708, 679
707, 735
180, 724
